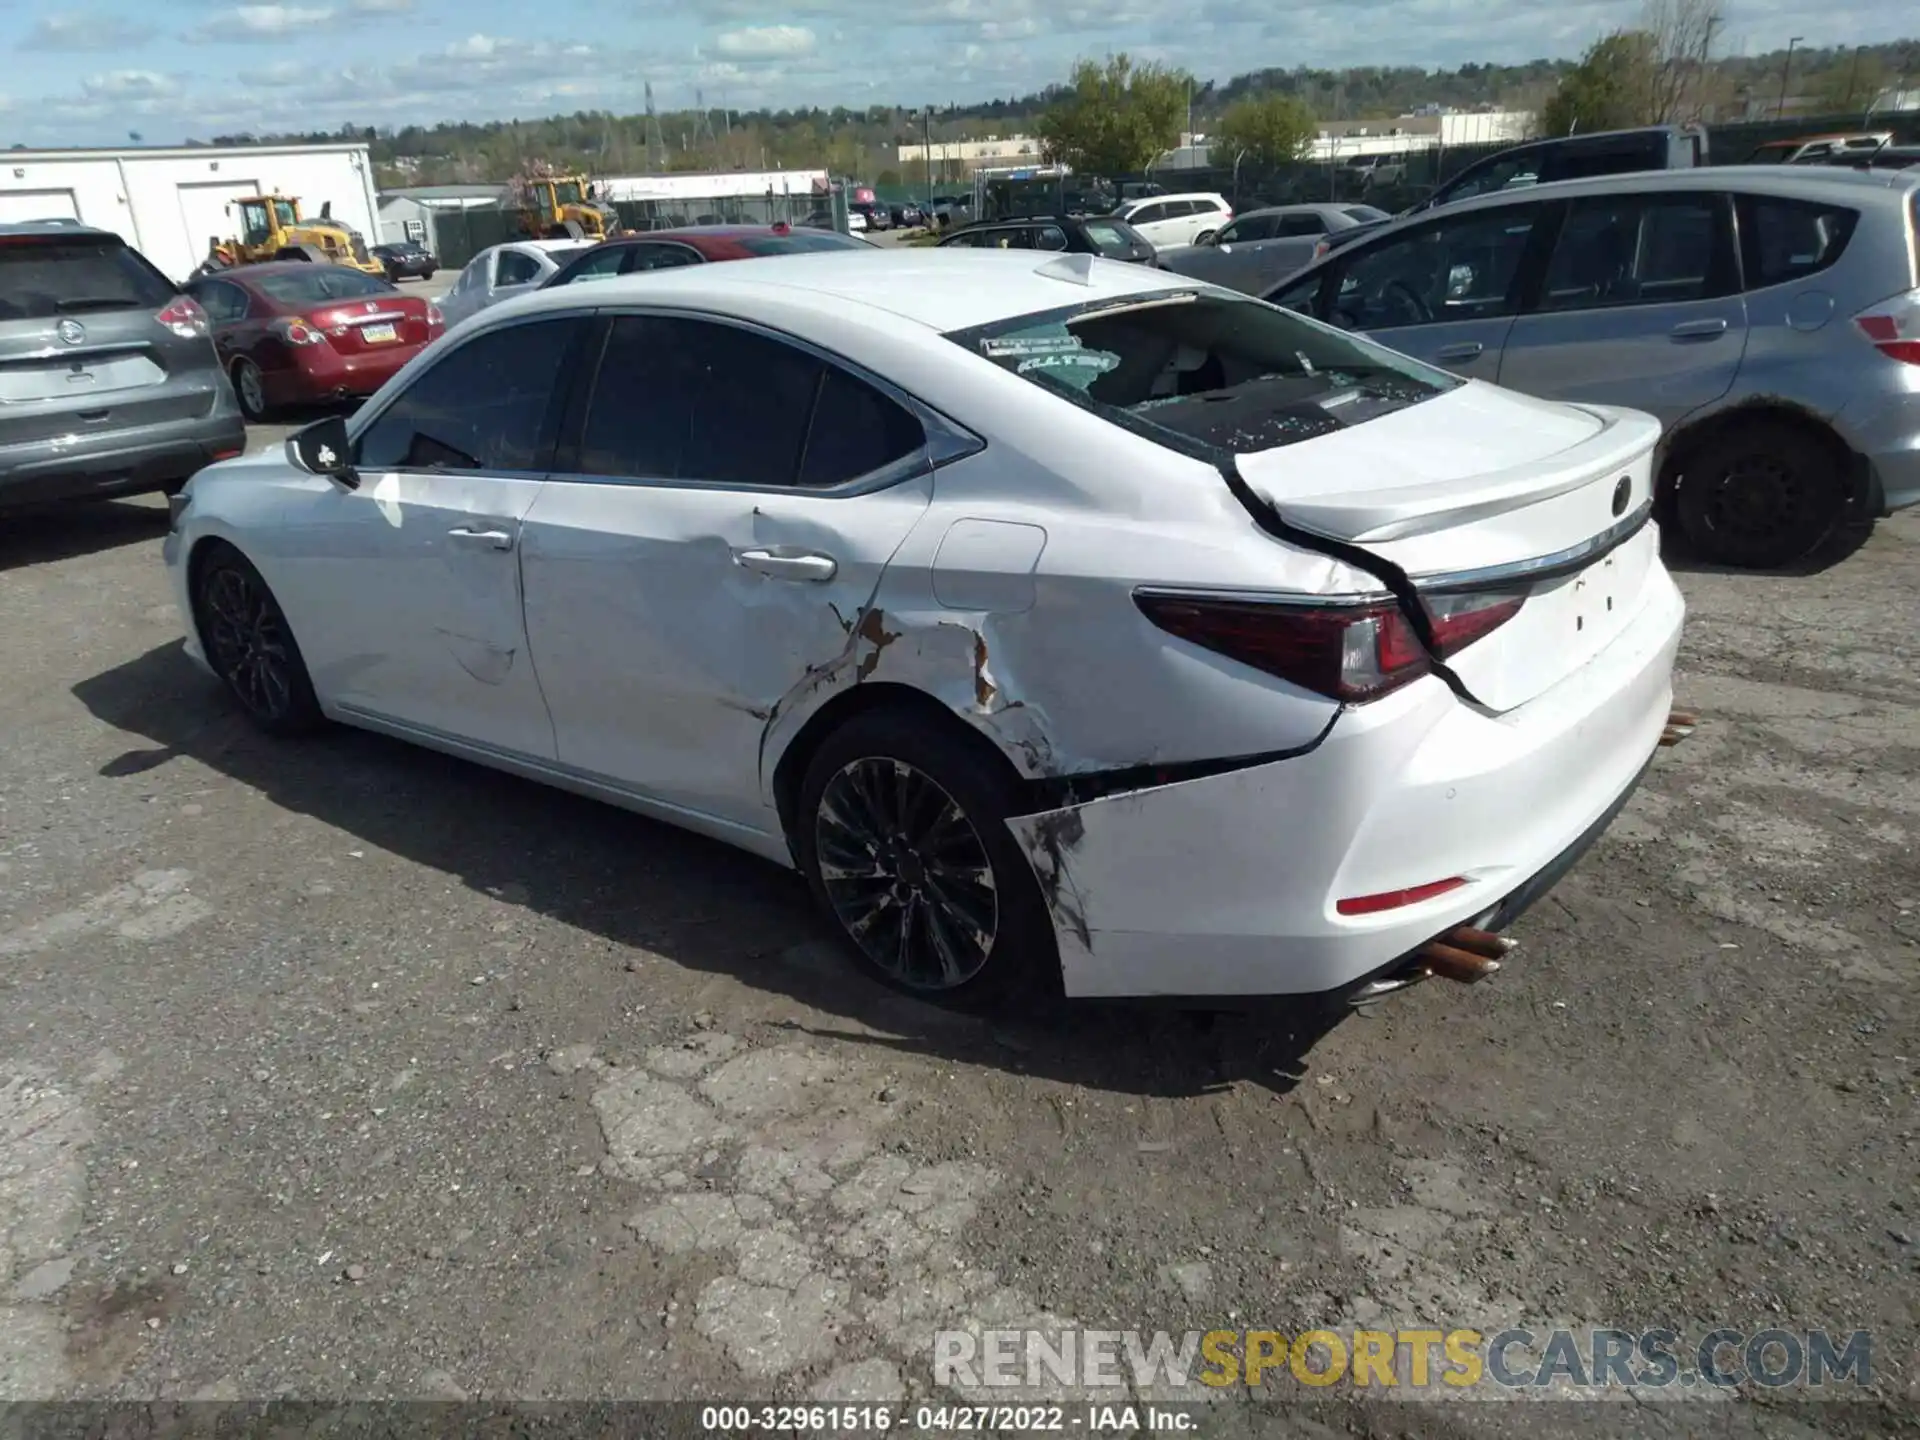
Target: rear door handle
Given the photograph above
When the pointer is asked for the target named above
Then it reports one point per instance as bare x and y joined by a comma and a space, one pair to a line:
1699, 329
789, 564
487, 539
1465, 350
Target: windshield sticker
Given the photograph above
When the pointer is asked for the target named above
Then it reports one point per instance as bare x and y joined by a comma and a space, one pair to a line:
1005, 347
1099, 361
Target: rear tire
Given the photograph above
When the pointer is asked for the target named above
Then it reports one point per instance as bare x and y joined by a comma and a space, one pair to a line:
1759, 496
250, 388
250, 646
900, 831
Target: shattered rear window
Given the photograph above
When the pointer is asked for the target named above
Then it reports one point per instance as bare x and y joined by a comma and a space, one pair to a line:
1206, 372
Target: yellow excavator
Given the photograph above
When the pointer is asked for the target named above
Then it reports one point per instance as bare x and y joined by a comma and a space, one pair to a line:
556, 206
272, 228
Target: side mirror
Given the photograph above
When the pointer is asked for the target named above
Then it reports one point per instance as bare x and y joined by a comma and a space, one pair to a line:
323, 448
326, 209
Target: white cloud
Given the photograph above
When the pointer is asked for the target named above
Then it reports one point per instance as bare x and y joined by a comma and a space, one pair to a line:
129, 85
765, 42
83, 30
257, 24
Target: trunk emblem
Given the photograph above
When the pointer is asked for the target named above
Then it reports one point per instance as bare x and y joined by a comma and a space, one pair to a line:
1622, 493
71, 332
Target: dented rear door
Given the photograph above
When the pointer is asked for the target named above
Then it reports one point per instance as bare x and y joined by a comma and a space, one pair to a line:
729, 504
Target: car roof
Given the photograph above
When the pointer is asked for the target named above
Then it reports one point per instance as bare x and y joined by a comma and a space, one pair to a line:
241, 274
1825, 135
698, 232
53, 225
954, 290
1811, 182
1179, 195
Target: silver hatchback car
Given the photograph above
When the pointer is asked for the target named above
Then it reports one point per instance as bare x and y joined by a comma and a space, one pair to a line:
1769, 318
108, 381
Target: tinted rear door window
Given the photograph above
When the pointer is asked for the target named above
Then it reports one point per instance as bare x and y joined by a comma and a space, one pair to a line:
485, 406
75, 275
693, 400
1784, 240
1625, 251
856, 430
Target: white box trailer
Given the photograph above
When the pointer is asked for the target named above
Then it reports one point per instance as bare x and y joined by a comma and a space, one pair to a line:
168, 203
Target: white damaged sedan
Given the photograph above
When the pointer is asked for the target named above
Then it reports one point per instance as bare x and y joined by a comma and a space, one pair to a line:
1064, 622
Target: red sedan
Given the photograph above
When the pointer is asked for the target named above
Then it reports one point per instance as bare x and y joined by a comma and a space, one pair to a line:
695, 245
297, 333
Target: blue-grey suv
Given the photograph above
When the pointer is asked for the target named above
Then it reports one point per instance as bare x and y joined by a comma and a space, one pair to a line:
1769, 316
108, 380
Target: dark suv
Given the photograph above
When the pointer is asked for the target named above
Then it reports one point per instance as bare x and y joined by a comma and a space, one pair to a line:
108, 381
1575, 157
404, 258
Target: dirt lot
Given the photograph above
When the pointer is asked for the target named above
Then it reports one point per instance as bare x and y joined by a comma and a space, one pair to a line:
340, 1069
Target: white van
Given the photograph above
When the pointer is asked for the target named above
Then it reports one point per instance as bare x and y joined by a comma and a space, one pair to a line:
1175, 219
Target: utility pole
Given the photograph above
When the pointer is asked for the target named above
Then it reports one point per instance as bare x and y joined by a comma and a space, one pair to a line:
1786, 71
926, 134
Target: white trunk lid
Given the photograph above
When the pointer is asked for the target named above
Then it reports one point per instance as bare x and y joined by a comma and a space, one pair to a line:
1479, 478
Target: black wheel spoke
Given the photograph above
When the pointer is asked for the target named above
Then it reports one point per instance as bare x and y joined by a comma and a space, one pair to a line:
906, 872
247, 644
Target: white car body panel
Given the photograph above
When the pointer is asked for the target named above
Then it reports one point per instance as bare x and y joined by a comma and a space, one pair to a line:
480, 285
627, 648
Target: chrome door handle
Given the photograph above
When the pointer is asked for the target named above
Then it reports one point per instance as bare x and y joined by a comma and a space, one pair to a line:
1465, 350
1699, 329
491, 539
788, 565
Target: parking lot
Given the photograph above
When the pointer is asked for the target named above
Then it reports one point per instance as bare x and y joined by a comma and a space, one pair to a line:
336, 1068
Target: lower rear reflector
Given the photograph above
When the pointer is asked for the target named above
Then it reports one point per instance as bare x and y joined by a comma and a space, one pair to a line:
1395, 899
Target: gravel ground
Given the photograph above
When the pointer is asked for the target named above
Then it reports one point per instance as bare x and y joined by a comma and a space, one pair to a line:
341, 1069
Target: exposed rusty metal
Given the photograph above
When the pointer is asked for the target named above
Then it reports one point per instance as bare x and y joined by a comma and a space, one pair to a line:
1451, 963
1478, 942
1680, 725
984, 690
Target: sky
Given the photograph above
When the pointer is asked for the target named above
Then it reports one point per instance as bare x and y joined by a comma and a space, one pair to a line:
92, 72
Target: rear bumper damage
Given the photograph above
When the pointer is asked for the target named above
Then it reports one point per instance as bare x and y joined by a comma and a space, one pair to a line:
1227, 886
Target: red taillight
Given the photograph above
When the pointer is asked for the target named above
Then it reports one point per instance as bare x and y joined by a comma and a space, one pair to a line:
1894, 327
1395, 899
184, 317
1352, 653
1459, 620
297, 332
435, 320
781, 227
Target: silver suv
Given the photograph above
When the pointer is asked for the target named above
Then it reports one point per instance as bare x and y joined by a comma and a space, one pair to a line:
108, 381
1769, 317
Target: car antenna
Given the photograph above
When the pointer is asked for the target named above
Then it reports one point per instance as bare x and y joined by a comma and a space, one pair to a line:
1074, 269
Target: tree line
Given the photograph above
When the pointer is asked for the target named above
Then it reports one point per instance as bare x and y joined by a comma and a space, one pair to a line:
1116, 115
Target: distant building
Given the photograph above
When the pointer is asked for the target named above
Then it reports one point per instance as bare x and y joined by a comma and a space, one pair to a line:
170, 203
413, 213
963, 157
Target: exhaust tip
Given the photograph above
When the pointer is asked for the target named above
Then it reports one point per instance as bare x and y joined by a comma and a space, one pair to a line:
1450, 963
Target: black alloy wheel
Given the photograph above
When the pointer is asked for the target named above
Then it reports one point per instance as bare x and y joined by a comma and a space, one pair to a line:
900, 827
250, 647
907, 874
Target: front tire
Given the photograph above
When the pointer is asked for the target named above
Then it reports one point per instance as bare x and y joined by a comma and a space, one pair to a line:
901, 834
1760, 496
250, 646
